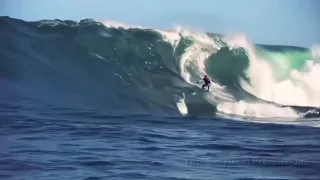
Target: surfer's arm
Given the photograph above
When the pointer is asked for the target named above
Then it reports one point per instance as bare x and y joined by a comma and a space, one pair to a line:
200, 80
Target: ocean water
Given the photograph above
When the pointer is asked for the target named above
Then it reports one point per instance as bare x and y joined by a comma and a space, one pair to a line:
90, 100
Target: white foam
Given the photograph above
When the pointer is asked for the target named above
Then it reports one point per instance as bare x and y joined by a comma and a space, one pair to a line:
260, 110
181, 105
288, 121
171, 37
300, 88
116, 24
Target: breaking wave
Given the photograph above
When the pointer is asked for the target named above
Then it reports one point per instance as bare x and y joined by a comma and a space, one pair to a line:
121, 69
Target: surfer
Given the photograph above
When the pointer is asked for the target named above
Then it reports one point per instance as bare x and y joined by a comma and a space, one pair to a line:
206, 81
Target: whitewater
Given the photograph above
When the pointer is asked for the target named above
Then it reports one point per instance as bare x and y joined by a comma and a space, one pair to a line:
299, 87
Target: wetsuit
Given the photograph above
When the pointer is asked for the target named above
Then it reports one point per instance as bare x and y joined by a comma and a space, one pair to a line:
206, 83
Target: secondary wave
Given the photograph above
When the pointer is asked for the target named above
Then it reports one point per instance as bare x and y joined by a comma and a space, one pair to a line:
119, 69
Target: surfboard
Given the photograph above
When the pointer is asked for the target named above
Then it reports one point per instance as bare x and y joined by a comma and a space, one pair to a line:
195, 92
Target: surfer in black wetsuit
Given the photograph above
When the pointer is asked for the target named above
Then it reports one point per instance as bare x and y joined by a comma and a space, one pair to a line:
206, 81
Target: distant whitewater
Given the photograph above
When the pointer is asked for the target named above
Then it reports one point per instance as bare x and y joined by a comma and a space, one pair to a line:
128, 70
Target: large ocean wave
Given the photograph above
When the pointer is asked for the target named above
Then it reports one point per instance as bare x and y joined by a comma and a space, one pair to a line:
119, 69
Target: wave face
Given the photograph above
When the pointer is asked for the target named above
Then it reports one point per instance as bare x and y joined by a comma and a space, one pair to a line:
89, 64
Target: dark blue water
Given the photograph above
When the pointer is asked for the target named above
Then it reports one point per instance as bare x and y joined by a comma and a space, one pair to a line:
58, 143
83, 101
